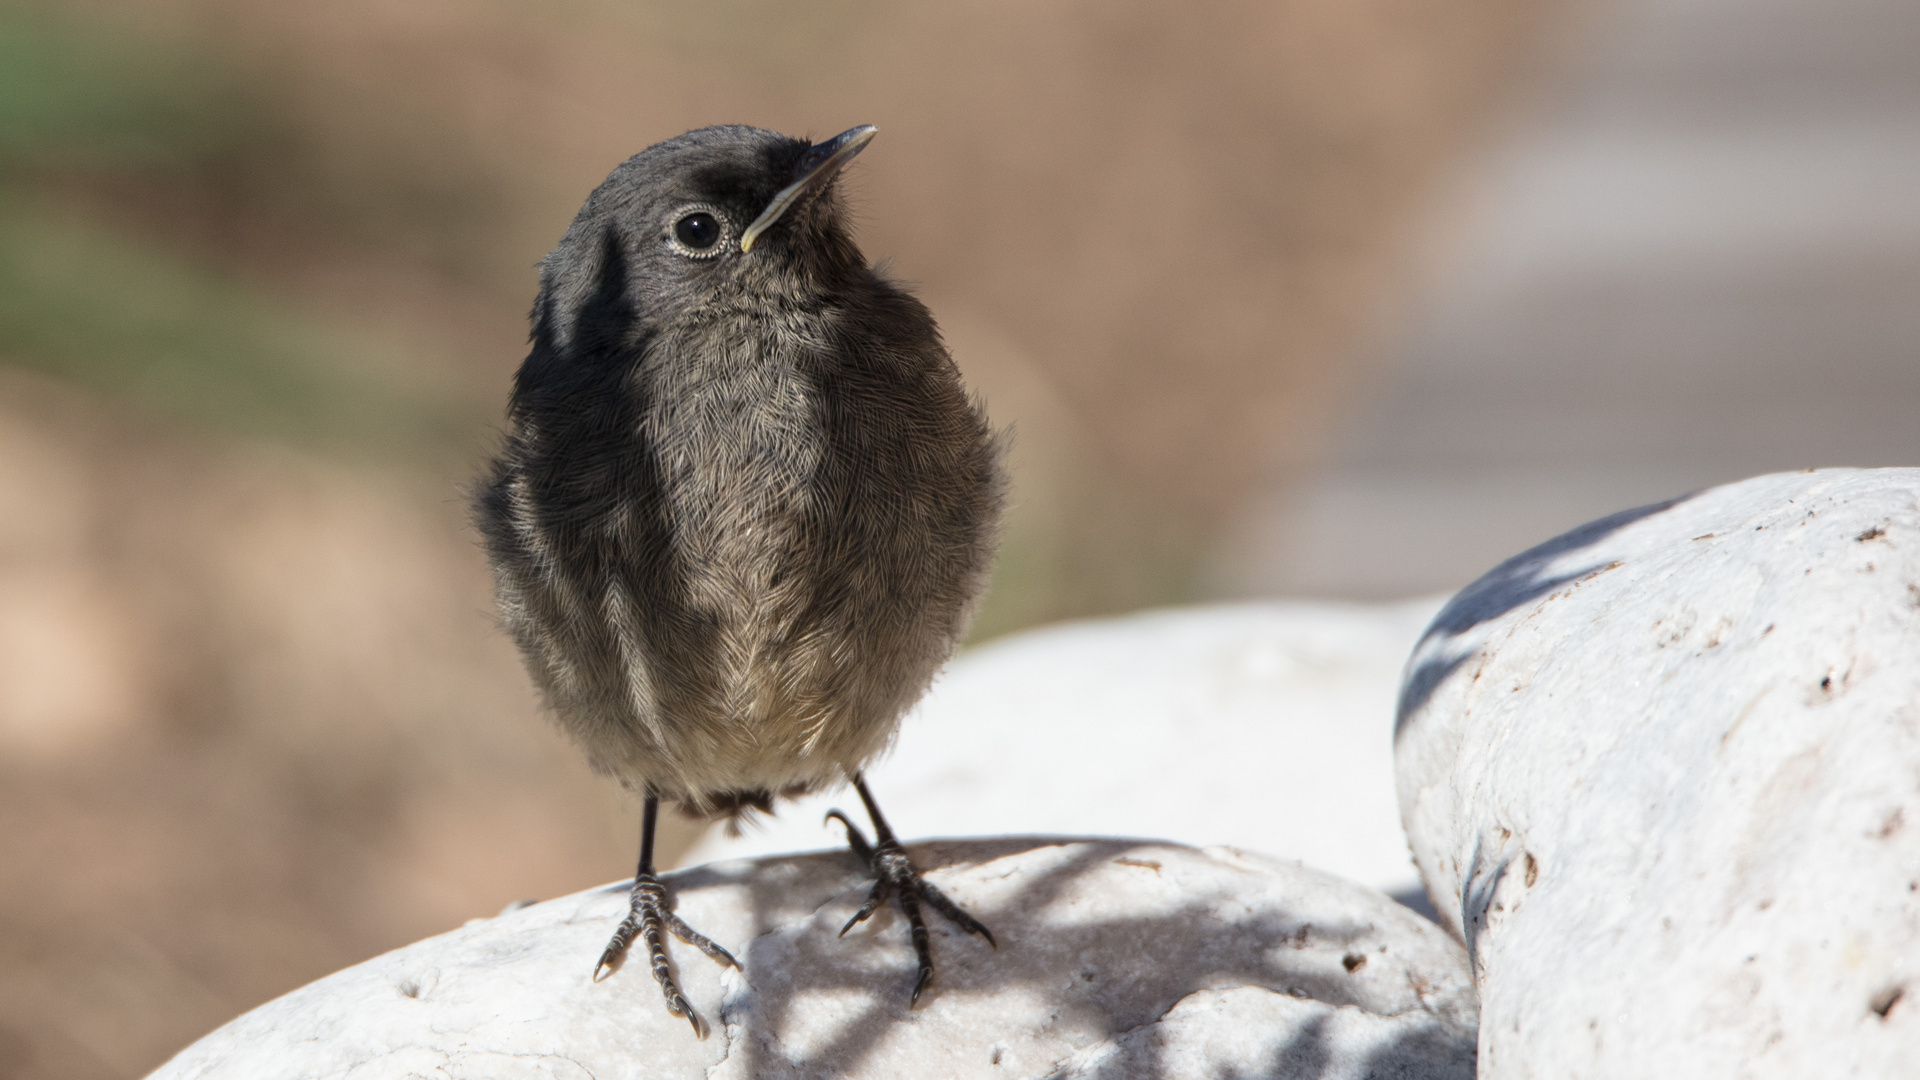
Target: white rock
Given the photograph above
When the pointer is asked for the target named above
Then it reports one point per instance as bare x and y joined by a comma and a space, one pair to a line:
1115, 959
1663, 773
1262, 726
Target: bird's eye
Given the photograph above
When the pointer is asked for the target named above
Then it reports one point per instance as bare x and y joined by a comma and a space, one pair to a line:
697, 231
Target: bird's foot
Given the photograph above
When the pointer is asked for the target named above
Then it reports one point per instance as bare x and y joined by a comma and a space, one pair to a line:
646, 917
896, 878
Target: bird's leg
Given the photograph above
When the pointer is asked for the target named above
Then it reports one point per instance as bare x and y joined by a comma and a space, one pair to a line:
646, 917
895, 877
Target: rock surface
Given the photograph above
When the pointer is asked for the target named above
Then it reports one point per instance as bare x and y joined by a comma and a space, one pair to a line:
1663, 774
1115, 959
1261, 726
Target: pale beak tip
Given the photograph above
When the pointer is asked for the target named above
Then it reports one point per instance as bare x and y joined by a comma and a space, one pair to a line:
842, 148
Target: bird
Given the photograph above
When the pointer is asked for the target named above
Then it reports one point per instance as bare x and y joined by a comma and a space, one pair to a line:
744, 507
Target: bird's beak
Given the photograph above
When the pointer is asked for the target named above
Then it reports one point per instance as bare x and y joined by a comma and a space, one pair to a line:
817, 169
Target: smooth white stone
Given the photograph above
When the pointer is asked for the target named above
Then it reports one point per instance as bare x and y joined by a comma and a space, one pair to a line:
1116, 952
1663, 774
1266, 727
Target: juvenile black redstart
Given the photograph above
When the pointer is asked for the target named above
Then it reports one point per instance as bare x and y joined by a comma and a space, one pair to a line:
744, 508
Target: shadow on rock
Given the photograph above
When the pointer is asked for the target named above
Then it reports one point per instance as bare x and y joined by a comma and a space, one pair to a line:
1100, 944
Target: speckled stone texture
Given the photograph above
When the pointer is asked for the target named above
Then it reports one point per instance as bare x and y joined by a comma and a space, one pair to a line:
1116, 959
1663, 774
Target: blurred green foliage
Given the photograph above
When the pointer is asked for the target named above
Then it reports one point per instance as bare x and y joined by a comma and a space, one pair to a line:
74, 99
125, 164
137, 321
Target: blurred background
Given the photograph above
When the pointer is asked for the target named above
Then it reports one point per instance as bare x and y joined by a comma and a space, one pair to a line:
1331, 298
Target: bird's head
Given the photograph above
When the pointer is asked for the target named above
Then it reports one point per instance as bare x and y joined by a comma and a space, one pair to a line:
717, 217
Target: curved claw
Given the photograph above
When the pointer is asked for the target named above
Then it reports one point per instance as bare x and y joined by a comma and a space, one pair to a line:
647, 916
925, 980
938, 901
881, 890
856, 839
698, 940
617, 948
895, 877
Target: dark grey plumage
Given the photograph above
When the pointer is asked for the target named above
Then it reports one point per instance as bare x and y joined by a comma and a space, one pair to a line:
745, 506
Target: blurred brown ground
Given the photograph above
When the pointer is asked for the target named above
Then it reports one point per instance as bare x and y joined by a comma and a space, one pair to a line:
255, 720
